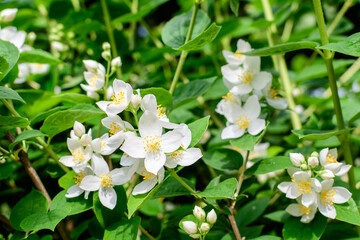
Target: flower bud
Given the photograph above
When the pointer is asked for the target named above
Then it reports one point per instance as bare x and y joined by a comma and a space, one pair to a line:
91, 65
79, 129
205, 227
106, 55
135, 100
190, 227
195, 235
313, 162
326, 174
297, 159
86, 139
211, 217
7, 15
116, 62
199, 213
304, 167
106, 46
315, 154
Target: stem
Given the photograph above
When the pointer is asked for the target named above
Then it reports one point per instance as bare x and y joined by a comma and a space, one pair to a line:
332, 81
132, 185
234, 225
134, 9
107, 75
280, 64
242, 175
76, 5
110, 32
146, 233
289, 24
184, 53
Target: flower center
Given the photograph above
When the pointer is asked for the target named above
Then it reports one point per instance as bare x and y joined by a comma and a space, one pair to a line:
160, 111
118, 99
273, 92
78, 178
228, 98
106, 180
243, 121
331, 159
114, 128
78, 155
304, 210
147, 175
327, 197
93, 80
176, 155
152, 144
238, 54
303, 187
246, 76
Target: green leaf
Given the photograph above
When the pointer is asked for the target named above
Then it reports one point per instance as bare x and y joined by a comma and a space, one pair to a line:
200, 41
41, 116
46, 220
8, 93
144, 10
282, 48
4, 67
153, 207
223, 190
234, 6
348, 212
175, 31
296, 230
67, 180
12, 75
348, 46
10, 53
311, 135
7, 123
106, 216
251, 211
162, 95
248, 141
34, 202
223, 159
26, 135
189, 91
60, 121
38, 56
172, 188
198, 129
74, 98
267, 165
278, 216
76, 205
123, 230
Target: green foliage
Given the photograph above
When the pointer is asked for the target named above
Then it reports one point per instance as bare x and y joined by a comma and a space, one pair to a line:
9, 56
223, 159
267, 165
38, 56
247, 141
172, 188
348, 212
76, 205
223, 190
26, 135
311, 135
348, 46
251, 211
8, 93
127, 229
198, 129
296, 230
44, 220
7, 123
282, 48
67, 180
162, 95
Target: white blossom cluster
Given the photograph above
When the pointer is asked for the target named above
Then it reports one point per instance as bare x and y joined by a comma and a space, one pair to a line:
205, 223
246, 83
146, 151
309, 192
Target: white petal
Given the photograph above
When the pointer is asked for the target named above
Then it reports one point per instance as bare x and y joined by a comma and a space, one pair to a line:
171, 141
327, 210
99, 165
154, 161
333, 152
103, 105
67, 161
252, 107
134, 147
190, 156
284, 186
90, 183
343, 170
261, 79
308, 199
302, 176
113, 143
241, 89
115, 108
73, 144
126, 160
327, 184
306, 218
315, 184
243, 46
294, 210
334, 167
341, 195
171, 162
120, 175
149, 125
148, 103
232, 131
293, 191
279, 103
108, 197
256, 126
74, 191
323, 155
145, 186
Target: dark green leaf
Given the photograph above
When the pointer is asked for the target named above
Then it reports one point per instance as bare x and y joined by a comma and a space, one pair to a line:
41, 116
4, 67
8, 93
67, 180
76, 205
234, 6
223, 190
123, 230
296, 230
172, 188
282, 48
38, 56
153, 207
251, 211
267, 165
223, 159
74, 98
7, 123
198, 129
247, 141
45, 220
311, 135
26, 135
349, 46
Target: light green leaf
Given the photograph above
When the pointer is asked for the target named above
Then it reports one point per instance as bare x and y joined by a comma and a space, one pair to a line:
234, 6
205, 37
189, 91
75, 98
26, 135
223, 159
278, 216
312, 135
67, 180
76, 205
162, 95
348, 212
123, 230
4, 67
198, 129
7, 122
8, 93
38, 56
175, 31
46, 220
60, 121
34, 202
41, 116
10, 53
172, 188
267, 165
248, 141
296, 230
223, 190
282, 48
153, 207
251, 211
348, 46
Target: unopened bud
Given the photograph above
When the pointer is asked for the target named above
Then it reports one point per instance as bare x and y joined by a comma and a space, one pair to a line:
7, 15
190, 227
297, 159
315, 154
135, 100
79, 129
199, 213
313, 162
91, 65
106, 55
304, 167
205, 227
326, 174
106, 46
116, 62
195, 235
211, 217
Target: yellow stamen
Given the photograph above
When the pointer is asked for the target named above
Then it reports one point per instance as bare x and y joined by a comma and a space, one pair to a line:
93, 80
304, 210
176, 155
152, 144
243, 121
118, 99
106, 180
78, 155
246, 76
103, 143
78, 178
331, 159
238, 54
114, 128
327, 197
147, 175
160, 111
228, 98
273, 92
302, 186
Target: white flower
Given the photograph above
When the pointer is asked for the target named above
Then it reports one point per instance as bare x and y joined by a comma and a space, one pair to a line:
328, 159
228, 103
195, 235
244, 119
152, 145
116, 125
243, 80
238, 58
75, 190
199, 213
183, 157
326, 174
190, 227
104, 180
95, 76
12, 35
211, 217
38, 68
58, 46
307, 214
7, 15
80, 156
116, 62
78, 129
94, 66
297, 159
136, 99
24, 72
302, 185
313, 162
120, 99
272, 97
150, 179
330, 195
